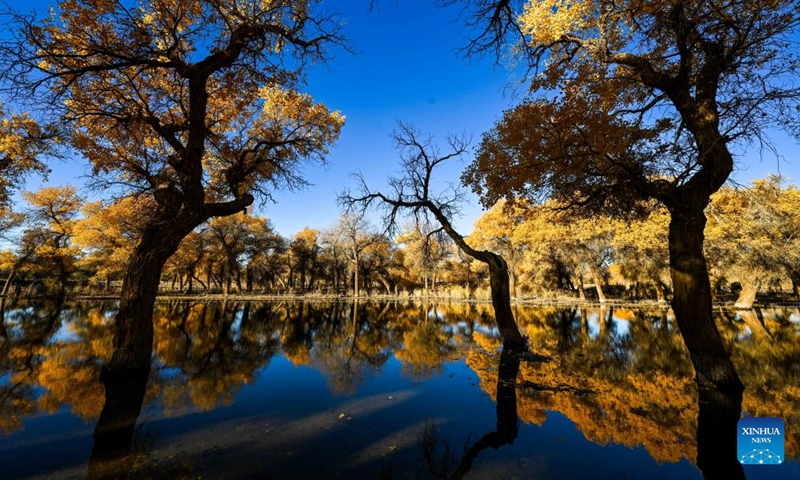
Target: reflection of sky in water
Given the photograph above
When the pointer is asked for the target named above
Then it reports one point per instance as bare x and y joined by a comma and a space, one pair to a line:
622, 326
65, 334
744, 334
619, 326
290, 420
593, 320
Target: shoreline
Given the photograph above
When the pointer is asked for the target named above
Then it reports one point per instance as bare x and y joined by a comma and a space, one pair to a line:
533, 302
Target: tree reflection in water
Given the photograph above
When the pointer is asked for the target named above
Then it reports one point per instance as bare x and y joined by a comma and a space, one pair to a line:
718, 415
114, 433
438, 454
632, 362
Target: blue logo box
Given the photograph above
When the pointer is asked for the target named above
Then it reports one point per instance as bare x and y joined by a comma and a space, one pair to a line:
760, 441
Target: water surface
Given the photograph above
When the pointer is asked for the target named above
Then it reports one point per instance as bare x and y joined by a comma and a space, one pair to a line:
385, 390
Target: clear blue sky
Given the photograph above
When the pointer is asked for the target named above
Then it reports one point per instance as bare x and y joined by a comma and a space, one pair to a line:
406, 67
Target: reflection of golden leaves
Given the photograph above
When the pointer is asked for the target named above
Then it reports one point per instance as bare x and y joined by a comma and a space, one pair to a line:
631, 412
66, 383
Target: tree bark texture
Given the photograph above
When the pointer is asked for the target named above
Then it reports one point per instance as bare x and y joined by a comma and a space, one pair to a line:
691, 301
133, 330
501, 302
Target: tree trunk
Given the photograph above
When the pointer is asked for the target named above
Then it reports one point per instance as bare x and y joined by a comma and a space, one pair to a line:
598, 282
113, 436
603, 318
584, 321
747, 297
133, 328
660, 297
3, 331
11, 276
581, 289
514, 284
385, 282
501, 301
355, 278
691, 301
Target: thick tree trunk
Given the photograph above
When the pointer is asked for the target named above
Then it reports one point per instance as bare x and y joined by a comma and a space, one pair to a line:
133, 329
691, 301
581, 289
747, 297
501, 301
248, 275
113, 436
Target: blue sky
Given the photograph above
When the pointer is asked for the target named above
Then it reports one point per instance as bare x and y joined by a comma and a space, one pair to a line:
406, 67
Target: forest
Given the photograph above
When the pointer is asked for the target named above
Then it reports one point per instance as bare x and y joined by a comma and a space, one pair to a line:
65, 244
612, 176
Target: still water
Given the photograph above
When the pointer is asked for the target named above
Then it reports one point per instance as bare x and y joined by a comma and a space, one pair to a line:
386, 390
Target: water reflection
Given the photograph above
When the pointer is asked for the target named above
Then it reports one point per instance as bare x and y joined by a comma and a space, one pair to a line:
620, 376
437, 452
114, 433
719, 412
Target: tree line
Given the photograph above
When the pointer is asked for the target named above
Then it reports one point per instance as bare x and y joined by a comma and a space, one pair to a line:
64, 243
199, 108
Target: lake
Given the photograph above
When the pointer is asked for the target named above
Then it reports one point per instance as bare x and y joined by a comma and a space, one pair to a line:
305, 390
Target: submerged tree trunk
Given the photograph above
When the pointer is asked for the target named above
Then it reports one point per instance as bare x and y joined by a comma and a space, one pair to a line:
747, 297
691, 301
112, 455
